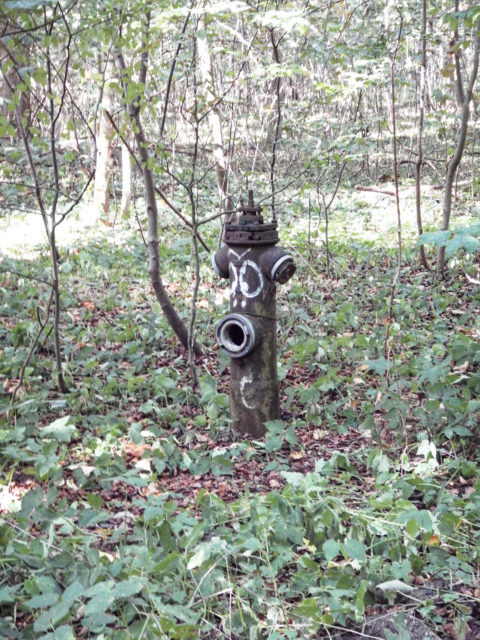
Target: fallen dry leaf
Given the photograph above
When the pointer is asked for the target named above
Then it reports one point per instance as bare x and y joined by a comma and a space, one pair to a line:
135, 450
297, 455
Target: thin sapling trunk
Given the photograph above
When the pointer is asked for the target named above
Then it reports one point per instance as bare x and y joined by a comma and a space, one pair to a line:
421, 117
133, 109
464, 98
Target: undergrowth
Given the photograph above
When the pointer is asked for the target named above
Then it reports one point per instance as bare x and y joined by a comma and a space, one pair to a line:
130, 510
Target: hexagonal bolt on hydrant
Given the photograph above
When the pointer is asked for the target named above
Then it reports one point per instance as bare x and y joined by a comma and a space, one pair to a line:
248, 334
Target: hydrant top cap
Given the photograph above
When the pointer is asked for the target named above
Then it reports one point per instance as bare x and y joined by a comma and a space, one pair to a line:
248, 227
250, 233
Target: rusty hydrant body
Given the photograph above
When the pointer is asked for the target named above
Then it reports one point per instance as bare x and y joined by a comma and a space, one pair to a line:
248, 334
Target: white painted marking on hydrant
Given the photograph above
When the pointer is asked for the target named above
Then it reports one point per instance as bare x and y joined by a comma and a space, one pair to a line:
234, 280
239, 256
244, 285
243, 383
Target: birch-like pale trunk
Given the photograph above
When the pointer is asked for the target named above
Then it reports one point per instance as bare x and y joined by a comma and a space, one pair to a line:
126, 181
103, 161
205, 67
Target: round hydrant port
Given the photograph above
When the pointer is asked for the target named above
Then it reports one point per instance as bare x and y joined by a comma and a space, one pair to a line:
236, 335
254, 265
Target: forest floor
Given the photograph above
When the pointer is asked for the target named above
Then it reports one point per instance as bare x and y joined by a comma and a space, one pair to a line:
129, 509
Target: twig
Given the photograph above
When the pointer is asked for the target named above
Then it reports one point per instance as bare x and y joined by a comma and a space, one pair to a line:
53, 208
376, 190
49, 228
421, 116
278, 124
397, 200
157, 189
193, 206
326, 208
304, 260
134, 112
25, 275
31, 351
170, 74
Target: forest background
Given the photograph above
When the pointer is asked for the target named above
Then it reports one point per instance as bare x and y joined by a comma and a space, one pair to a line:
128, 507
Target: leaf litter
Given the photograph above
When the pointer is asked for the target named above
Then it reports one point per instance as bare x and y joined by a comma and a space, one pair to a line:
148, 466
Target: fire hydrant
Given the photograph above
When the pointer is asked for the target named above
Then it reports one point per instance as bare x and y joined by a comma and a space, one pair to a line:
254, 265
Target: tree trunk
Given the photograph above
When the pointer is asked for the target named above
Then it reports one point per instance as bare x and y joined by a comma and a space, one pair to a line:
421, 115
462, 136
133, 109
126, 182
105, 132
277, 132
48, 217
214, 119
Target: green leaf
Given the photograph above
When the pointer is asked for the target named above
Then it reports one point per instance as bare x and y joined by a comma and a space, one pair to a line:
331, 549
252, 544
60, 429
99, 604
437, 238
98, 621
198, 558
99, 588
471, 243
6, 594
64, 632
464, 432
308, 608
95, 500
293, 477
427, 449
128, 588
453, 245
360, 598
42, 600
273, 443
51, 617
221, 464
395, 586
73, 592
354, 549
412, 527
274, 426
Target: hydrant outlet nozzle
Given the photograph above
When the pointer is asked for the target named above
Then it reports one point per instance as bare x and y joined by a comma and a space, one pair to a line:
283, 269
236, 335
220, 262
277, 264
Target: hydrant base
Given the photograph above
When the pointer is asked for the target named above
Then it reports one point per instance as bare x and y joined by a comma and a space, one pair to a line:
252, 403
